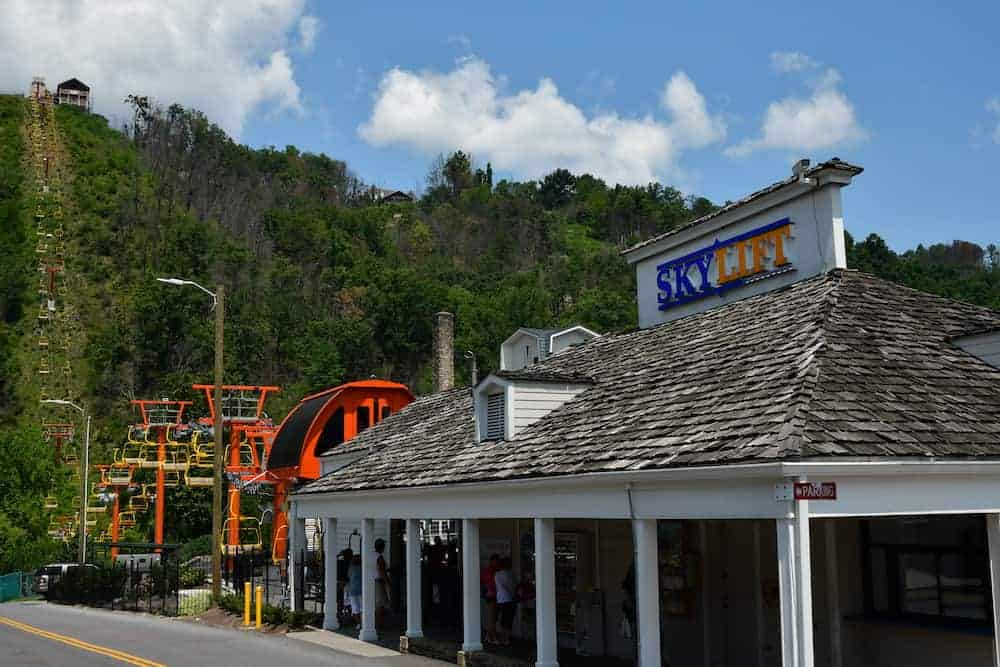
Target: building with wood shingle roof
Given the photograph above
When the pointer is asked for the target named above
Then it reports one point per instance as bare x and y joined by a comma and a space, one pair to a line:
787, 463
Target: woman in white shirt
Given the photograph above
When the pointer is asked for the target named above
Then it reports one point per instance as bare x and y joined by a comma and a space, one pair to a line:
506, 600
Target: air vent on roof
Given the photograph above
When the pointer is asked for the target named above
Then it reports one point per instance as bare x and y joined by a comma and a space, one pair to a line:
495, 412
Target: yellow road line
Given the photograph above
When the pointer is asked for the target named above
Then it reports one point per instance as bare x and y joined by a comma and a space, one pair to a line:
77, 643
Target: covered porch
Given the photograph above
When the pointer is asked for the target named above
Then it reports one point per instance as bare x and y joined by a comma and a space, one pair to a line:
900, 563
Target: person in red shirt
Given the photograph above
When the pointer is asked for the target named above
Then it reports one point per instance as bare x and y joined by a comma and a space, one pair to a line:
488, 591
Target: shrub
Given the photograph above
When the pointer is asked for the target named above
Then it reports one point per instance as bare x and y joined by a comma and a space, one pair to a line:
192, 577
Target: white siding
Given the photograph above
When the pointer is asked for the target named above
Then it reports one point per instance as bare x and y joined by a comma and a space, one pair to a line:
534, 400
985, 346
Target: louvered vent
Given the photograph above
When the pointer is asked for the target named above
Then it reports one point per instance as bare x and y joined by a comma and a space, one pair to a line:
495, 414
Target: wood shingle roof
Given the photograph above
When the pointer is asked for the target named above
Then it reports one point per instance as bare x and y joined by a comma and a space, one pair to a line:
841, 365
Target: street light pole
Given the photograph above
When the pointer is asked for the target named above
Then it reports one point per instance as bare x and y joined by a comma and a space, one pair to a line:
84, 472
218, 305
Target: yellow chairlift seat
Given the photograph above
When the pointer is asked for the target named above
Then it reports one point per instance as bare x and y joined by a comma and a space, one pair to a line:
91, 523
138, 504
149, 460
127, 519
178, 459
76, 502
248, 456
51, 503
96, 508
43, 342
137, 434
55, 531
71, 459
249, 535
132, 453
200, 475
120, 475
278, 541
171, 478
43, 312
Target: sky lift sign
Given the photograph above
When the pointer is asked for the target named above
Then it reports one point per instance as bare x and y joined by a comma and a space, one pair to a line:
815, 490
724, 265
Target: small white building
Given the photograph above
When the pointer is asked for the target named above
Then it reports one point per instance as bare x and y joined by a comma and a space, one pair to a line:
789, 463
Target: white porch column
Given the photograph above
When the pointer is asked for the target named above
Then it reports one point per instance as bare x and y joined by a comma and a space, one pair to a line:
296, 548
993, 536
803, 563
545, 593
414, 600
647, 590
471, 612
833, 594
368, 631
786, 587
330, 599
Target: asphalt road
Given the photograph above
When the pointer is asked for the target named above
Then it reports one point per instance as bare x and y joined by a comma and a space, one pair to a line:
44, 635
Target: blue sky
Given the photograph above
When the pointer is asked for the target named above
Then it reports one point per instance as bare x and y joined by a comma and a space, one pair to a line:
716, 99
919, 82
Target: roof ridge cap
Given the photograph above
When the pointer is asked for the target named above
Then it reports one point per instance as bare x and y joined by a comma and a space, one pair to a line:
792, 429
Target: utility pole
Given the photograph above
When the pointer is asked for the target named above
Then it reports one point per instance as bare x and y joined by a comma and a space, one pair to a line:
219, 453
219, 306
84, 491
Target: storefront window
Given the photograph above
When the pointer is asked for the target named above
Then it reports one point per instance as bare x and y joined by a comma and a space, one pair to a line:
927, 567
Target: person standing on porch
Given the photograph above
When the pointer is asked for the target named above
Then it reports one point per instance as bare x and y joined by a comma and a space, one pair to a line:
381, 584
506, 600
354, 587
488, 592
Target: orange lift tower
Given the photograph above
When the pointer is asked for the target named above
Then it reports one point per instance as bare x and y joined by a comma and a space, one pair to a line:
158, 417
250, 435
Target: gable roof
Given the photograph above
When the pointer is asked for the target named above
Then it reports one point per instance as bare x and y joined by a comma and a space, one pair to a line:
839, 365
73, 84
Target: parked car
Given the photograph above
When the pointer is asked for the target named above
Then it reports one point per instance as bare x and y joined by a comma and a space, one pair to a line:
53, 572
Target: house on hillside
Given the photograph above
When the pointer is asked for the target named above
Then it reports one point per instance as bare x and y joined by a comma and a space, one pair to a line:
73, 92
383, 196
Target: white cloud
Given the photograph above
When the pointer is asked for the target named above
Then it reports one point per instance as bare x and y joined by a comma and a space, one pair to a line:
993, 105
227, 58
822, 120
791, 61
309, 27
533, 131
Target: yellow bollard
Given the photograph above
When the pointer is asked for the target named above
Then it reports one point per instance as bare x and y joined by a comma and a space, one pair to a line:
246, 602
260, 604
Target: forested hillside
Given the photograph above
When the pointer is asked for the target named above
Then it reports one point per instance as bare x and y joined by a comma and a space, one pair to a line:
324, 283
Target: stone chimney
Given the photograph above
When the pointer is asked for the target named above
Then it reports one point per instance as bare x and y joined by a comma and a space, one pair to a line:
444, 351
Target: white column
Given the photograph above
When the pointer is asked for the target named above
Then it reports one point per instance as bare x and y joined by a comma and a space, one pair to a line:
296, 546
368, 631
803, 562
545, 593
414, 599
993, 535
330, 620
786, 586
647, 590
471, 612
758, 597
